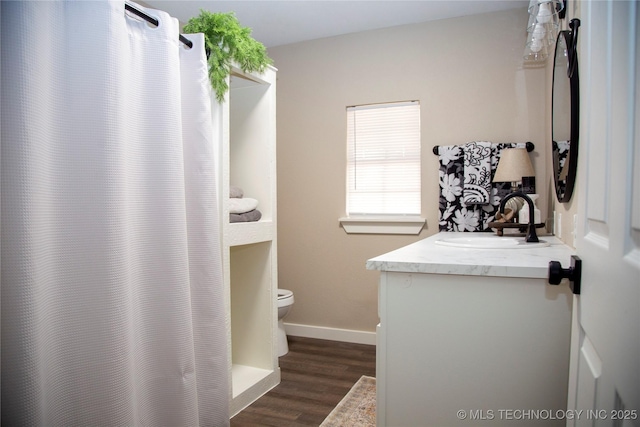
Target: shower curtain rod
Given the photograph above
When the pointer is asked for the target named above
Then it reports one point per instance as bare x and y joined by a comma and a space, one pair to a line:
154, 21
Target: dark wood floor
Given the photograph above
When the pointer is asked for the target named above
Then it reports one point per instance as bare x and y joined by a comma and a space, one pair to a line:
316, 375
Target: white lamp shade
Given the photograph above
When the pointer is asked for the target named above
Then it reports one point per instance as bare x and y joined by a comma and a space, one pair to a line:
513, 165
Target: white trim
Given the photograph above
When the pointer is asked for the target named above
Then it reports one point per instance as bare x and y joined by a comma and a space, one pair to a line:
382, 224
332, 334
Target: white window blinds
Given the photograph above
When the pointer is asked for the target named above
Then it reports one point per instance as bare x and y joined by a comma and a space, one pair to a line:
383, 159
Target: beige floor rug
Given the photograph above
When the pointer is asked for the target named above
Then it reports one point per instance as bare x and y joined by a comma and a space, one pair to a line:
357, 408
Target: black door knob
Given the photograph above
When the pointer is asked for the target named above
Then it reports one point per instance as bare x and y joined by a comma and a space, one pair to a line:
573, 273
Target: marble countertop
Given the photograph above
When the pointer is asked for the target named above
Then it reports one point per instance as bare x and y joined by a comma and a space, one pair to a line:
425, 256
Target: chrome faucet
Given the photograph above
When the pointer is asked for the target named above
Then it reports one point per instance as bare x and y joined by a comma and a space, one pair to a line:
532, 237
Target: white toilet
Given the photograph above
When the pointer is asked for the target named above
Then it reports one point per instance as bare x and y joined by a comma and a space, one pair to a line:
285, 301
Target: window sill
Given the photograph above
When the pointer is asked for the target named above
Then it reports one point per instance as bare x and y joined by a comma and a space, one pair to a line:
382, 224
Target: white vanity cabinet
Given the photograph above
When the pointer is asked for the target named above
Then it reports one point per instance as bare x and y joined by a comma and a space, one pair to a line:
246, 126
471, 337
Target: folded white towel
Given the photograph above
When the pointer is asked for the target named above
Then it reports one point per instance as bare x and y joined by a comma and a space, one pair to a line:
243, 205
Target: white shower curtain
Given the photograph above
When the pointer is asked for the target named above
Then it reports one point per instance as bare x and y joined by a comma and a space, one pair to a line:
112, 298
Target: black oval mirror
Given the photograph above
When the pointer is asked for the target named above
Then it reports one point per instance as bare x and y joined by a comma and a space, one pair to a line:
565, 112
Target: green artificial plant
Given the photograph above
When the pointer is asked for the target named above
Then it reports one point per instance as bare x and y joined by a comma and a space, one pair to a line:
227, 42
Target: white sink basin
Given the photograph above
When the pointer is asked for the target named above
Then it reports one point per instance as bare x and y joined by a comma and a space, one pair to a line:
490, 243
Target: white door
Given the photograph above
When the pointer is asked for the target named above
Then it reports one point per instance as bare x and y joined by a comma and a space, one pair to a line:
605, 350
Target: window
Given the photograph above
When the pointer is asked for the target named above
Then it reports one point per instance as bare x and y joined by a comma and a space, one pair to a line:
383, 159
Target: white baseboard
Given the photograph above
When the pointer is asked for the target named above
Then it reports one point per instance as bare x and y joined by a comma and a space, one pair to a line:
333, 334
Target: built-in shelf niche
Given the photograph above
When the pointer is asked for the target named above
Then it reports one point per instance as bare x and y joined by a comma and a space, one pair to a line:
251, 308
248, 153
251, 323
251, 154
